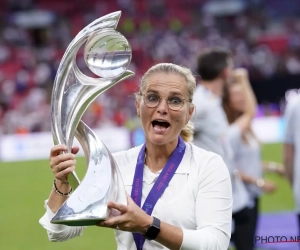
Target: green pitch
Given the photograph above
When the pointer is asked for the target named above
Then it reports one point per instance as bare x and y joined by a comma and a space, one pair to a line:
25, 186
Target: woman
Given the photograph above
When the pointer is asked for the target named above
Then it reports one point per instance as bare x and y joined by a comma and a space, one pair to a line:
194, 211
240, 106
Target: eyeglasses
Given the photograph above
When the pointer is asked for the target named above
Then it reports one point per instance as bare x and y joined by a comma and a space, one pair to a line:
152, 100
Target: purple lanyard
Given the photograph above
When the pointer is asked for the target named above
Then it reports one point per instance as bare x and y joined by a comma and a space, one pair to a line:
159, 186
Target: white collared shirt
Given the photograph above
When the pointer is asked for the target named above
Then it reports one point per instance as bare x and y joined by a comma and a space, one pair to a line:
198, 200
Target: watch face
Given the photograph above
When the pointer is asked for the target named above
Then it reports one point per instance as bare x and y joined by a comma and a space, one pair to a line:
152, 232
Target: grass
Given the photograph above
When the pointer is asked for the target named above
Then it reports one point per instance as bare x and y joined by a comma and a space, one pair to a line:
282, 199
25, 186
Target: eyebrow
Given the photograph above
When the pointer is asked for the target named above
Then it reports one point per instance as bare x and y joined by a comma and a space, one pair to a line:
171, 93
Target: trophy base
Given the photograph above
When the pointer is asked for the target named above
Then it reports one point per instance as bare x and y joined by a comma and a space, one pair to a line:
78, 223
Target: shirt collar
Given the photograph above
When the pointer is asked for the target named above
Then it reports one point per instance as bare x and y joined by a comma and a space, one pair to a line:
184, 166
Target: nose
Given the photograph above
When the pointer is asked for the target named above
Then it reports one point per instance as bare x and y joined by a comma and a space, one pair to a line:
162, 106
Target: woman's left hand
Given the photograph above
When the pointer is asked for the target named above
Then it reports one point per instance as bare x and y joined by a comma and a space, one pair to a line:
132, 218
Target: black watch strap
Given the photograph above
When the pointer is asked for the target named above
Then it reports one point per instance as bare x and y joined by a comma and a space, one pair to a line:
153, 230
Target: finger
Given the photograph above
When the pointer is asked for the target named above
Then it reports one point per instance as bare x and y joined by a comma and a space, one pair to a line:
120, 207
75, 150
54, 161
101, 224
63, 165
57, 149
116, 227
112, 222
64, 173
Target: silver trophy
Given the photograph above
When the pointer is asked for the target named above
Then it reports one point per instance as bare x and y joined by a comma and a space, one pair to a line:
107, 54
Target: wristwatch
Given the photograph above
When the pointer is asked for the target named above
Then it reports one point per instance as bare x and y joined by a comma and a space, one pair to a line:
153, 230
260, 183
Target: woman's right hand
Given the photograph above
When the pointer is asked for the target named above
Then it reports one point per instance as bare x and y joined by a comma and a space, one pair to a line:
62, 163
269, 187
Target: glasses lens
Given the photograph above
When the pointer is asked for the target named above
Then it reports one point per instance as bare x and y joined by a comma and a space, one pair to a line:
151, 100
175, 103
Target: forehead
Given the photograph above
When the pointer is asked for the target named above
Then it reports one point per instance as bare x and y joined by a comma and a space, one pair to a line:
166, 83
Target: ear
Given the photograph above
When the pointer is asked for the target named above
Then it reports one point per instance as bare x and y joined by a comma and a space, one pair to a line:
138, 110
191, 111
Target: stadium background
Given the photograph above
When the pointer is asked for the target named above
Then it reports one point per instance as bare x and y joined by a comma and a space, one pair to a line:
264, 36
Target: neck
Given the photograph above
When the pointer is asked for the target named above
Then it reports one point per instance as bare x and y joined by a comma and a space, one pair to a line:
215, 86
158, 155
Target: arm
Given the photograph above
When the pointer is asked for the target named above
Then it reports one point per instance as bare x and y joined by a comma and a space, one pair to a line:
265, 185
244, 121
213, 209
273, 167
234, 135
213, 214
61, 165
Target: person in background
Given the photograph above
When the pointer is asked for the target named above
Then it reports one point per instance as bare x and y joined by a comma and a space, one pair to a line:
189, 188
215, 67
240, 104
292, 150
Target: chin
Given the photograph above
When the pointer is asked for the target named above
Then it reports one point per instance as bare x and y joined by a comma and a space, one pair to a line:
158, 139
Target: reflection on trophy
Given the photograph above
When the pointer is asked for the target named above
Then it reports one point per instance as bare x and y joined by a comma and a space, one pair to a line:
107, 54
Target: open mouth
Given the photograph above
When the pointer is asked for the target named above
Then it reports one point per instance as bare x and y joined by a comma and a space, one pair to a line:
160, 124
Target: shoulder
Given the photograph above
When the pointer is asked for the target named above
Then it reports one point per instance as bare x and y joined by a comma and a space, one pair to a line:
206, 159
127, 156
126, 162
293, 105
206, 104
207, 169
201, 95
200, 153
292, 112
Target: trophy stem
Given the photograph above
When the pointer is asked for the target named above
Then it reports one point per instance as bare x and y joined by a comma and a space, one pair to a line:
73, 180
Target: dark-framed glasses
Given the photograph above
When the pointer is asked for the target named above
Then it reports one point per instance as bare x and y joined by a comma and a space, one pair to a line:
174, 102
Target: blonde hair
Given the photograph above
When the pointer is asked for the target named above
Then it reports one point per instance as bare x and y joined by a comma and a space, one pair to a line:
187, 133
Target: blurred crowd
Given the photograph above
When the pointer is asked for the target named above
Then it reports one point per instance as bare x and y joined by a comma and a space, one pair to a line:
264, 36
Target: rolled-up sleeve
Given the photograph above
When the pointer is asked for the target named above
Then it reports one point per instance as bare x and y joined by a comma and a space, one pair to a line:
213, 209
57, 232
